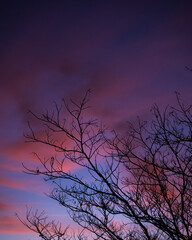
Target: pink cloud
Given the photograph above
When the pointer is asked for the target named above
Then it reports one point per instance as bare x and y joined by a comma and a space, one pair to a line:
6, 207
11, 225
18, 152
24, 183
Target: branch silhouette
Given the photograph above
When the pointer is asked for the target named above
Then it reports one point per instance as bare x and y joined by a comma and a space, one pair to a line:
136, 186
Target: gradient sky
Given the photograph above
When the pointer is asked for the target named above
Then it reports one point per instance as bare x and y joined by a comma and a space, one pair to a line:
132, 54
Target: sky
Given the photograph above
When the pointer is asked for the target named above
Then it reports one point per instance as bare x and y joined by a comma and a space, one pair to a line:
131, 54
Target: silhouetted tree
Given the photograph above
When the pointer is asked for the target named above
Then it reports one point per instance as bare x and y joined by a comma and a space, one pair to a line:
136, 186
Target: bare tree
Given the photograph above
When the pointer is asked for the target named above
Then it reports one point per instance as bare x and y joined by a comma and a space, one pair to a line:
136, 186
37, 222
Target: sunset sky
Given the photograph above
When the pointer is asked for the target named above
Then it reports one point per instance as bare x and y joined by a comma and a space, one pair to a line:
132, 54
